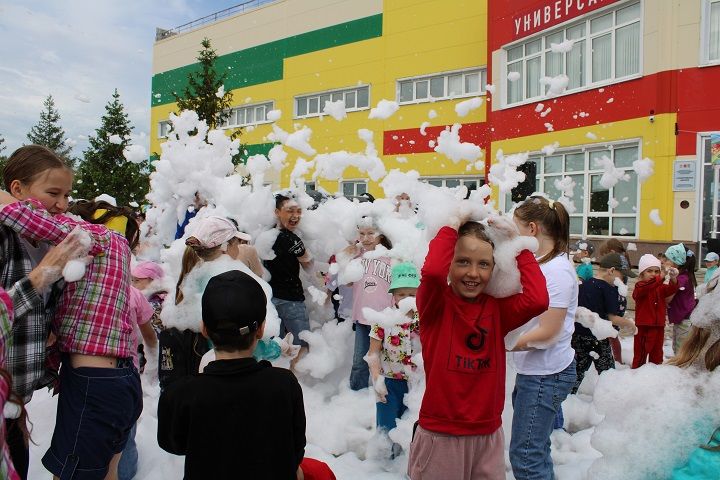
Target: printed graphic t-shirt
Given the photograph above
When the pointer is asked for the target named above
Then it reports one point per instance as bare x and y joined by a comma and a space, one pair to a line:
285, 267
372, 289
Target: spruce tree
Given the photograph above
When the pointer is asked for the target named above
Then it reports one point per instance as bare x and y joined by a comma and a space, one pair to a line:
104, 168
49, 133
200, 94
3, 158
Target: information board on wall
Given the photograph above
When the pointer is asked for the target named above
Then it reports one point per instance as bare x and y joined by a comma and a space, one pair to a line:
684, 175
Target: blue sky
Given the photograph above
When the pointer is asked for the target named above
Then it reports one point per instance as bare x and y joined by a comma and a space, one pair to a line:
80, 51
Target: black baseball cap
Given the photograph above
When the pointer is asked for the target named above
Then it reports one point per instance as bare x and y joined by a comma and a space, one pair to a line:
618, 262
233, 303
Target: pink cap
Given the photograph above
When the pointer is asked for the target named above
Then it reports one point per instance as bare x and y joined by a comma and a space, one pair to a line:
214, 231
147, 270
647, 261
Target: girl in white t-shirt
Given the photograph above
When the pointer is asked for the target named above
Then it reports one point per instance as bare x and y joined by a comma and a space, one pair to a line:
543, 357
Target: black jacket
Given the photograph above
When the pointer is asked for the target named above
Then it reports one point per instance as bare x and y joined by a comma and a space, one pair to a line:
239, 419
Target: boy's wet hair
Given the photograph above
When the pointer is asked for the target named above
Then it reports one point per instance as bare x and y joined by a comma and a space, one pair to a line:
475, 229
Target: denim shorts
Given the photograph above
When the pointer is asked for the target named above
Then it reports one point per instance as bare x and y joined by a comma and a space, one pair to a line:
293, 318
97, 407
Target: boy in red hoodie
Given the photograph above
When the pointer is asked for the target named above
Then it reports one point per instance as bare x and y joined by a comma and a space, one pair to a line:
650, 296
462, 330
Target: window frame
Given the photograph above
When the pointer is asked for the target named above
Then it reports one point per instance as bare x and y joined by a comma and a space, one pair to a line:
482, 71
479, 180
589, 170
587, 54
269, 106
355, 182
161, 125
705, 60
342, 91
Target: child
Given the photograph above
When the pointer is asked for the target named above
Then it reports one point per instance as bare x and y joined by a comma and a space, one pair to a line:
144, 276
711, 263
650, 296
462, 329
7, 470
241, 417
390, 354
371, 291
600, 295
583, 251
543, 356
682, 303
93, 331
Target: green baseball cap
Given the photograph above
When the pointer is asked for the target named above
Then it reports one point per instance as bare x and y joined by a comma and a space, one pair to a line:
404, 275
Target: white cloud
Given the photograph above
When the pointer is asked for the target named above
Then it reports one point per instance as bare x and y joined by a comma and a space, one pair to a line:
80, 50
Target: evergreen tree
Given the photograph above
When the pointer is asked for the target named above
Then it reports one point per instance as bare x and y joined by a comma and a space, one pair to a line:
200, 94
3, 158
104, 168
48, 131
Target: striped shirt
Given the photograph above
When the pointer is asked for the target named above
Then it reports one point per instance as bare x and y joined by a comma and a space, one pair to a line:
93, 317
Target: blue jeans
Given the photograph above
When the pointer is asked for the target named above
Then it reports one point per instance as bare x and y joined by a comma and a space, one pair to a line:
293, 318
536, 402
389, 412
127, 468
360, 372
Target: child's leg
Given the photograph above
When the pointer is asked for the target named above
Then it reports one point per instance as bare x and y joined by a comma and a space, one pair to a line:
360, 373
393, 408
605, 360
582, 346
639, 342
435, 455
680, 331
655, 340
97, 407
536, 401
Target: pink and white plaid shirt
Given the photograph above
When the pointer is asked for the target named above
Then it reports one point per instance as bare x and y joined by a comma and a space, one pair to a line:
6, 316
93, 317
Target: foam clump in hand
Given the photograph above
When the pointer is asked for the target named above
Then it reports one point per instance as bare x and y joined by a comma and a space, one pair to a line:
599, 327
505, 280
74, 269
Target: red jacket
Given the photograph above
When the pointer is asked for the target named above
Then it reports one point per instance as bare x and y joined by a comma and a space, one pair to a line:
462, 342
650, 305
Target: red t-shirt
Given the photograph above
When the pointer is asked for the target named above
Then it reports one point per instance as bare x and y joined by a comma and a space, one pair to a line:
463, 346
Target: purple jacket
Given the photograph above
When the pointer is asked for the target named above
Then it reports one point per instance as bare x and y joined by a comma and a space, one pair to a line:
684, 302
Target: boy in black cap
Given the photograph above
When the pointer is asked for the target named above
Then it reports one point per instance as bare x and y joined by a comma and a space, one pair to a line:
600, 294
240, 418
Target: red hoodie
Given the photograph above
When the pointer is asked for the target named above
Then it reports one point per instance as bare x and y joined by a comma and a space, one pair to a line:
463, 347
650, 305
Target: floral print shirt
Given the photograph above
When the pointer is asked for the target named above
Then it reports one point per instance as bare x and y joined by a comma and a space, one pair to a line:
396, 354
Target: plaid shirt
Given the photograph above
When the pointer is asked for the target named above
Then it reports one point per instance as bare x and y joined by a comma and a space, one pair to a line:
93, 317
26, 349
6, 467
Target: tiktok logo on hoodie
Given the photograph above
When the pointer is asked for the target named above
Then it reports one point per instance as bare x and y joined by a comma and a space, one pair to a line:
472, 346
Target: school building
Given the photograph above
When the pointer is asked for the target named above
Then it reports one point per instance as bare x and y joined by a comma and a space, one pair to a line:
640, 78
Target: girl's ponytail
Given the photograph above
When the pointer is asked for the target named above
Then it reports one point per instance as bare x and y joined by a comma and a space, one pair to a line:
554, 219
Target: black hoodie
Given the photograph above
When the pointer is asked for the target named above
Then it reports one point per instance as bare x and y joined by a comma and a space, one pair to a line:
239, 419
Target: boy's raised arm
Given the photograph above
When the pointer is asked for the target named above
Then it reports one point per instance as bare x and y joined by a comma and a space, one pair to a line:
434, 272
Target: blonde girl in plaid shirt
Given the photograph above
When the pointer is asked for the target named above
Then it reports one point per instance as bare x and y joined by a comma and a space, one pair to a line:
93, 334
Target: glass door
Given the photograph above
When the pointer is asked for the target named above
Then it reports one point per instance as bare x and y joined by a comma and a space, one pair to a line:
710, 205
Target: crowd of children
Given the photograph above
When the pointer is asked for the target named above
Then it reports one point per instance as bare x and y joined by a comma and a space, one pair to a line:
91, 334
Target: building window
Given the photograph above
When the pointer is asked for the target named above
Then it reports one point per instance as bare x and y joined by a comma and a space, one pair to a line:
248, 115
163, 129
599, 211
357, 98
605, 48
353, 188
442, 86
472, 183
711, 31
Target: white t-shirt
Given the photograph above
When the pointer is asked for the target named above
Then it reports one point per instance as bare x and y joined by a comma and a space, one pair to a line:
562, 288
